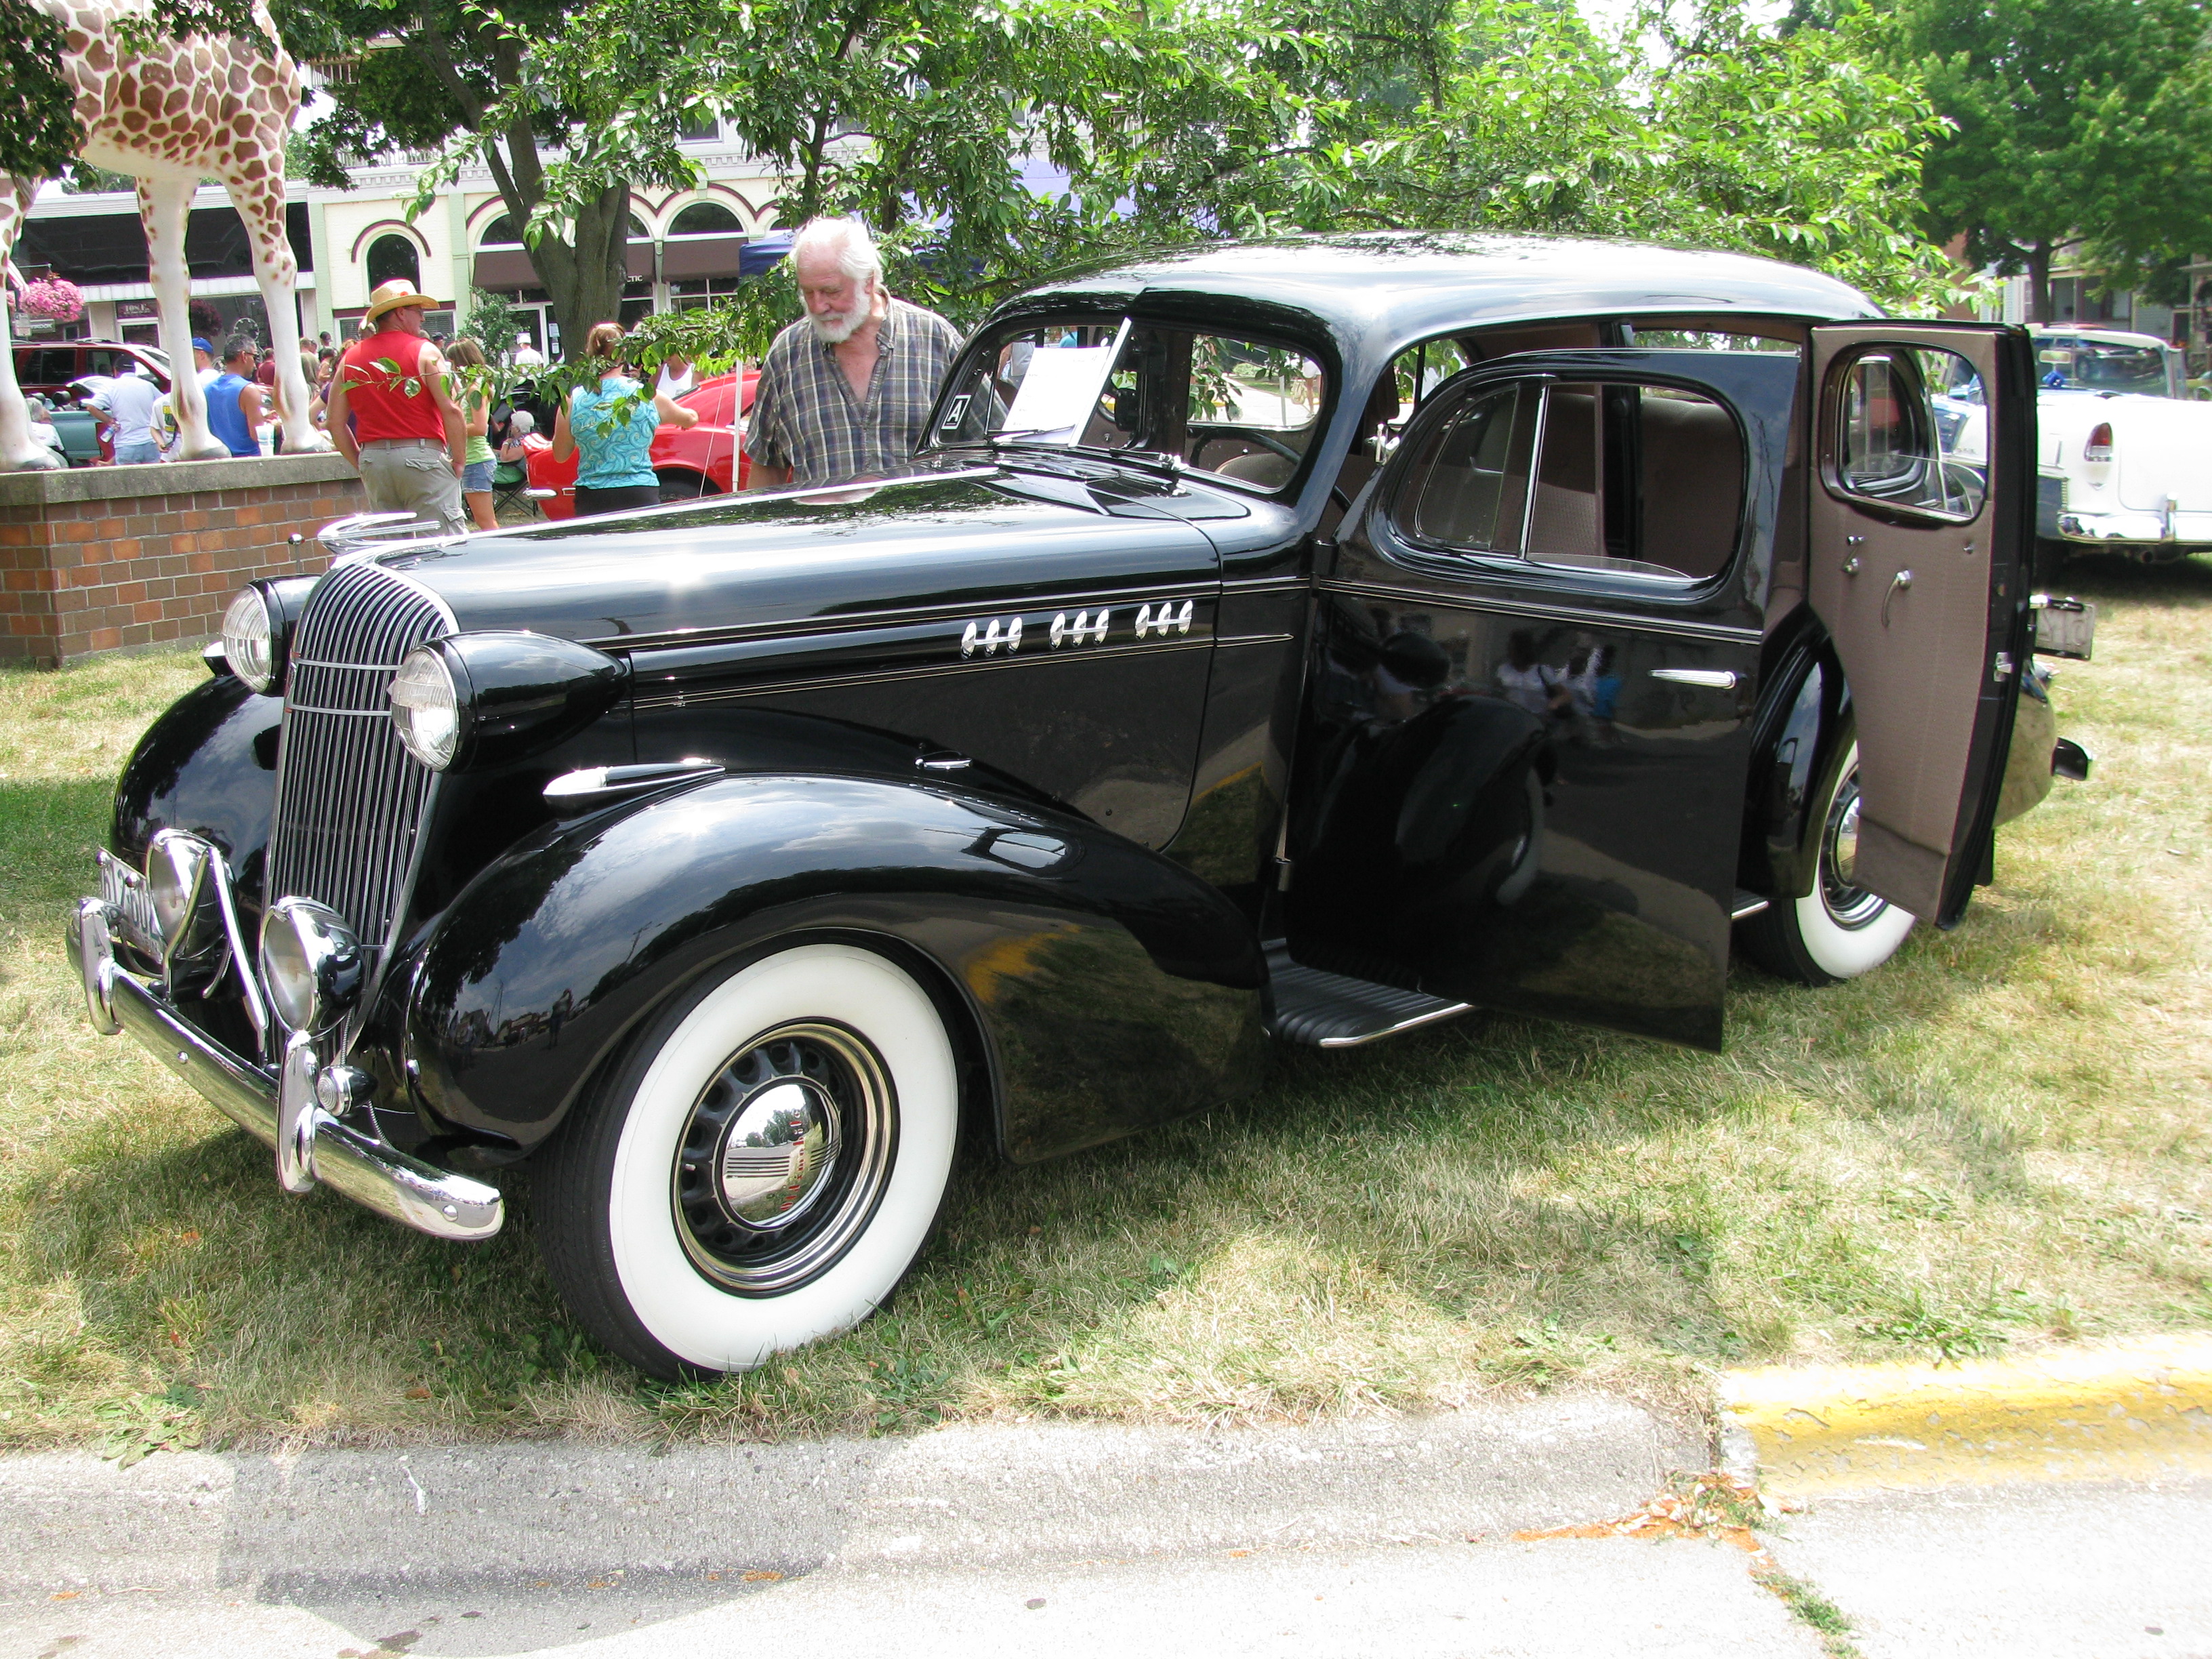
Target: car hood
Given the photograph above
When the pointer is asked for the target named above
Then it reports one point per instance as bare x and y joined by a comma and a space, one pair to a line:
932, 540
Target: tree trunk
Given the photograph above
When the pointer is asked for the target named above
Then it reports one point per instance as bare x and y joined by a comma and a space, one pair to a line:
584, 275
2038, 283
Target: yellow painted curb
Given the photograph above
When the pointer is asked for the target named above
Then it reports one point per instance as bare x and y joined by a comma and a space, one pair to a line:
2144, 1409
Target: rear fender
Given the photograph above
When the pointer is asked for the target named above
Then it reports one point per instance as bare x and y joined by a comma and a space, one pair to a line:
1106, 987
1804, 705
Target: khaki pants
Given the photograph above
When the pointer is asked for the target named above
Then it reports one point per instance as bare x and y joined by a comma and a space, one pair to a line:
413, 476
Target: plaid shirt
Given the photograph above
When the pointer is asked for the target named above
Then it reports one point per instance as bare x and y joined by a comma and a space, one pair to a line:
806, 418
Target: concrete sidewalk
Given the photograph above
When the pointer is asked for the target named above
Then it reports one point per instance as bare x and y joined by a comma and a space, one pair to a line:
526, 1547
1895, 1501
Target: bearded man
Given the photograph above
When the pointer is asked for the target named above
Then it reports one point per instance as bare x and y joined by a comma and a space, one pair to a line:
846, 391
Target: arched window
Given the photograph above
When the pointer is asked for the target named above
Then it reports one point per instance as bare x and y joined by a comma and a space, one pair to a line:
638, 233
390, 256
705, 219
500, 233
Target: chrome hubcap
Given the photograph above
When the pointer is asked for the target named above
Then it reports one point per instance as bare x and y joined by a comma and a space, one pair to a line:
1847, 904
784, 1157
778, 1150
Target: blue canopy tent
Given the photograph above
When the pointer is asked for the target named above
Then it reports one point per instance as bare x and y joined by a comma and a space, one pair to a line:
758, 257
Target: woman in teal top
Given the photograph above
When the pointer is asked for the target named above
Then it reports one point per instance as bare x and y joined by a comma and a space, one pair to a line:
611, 428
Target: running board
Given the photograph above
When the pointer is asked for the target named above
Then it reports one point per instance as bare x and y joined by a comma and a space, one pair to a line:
1331, 1010
1747, 903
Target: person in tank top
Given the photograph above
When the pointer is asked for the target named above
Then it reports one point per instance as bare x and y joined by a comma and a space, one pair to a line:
233, 401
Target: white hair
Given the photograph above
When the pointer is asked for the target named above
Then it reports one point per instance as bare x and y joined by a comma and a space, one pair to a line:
847, 238
523, 424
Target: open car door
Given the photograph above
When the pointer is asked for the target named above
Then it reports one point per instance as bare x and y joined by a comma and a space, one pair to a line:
1922, 523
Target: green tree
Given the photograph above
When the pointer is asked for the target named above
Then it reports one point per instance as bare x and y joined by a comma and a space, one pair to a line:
2078, 126
452, 77
39, 129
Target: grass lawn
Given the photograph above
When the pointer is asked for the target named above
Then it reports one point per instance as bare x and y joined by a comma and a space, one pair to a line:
1999, 1139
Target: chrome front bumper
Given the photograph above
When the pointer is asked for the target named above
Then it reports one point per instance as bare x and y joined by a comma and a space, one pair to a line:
333, 1151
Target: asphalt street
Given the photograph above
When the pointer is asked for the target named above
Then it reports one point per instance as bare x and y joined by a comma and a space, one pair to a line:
1404, 1536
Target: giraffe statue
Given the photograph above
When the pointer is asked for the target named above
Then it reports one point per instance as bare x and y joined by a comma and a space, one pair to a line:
184, 110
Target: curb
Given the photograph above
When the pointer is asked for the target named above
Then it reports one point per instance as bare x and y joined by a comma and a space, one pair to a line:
699, 1519
2142, 1410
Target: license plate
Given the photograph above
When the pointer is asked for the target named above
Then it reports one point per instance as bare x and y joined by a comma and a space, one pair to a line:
125, 889
2065, 627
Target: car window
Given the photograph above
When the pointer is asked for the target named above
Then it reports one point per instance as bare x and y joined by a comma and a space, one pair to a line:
48, 366
1463, 490
2100, 366
1629, 479
1711, 339
1910, 431
1423, 369
1242, 408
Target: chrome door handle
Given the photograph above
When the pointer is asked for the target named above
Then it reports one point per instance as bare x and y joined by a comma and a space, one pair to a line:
1851, 566
1718, 679
1902, 579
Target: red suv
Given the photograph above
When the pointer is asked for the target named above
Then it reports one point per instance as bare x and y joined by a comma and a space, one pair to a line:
48, 370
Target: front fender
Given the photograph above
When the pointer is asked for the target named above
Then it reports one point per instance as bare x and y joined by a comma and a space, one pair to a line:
1109, 987
208, 765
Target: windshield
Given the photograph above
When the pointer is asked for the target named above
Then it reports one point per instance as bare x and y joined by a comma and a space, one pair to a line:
2102, 366
1230, 404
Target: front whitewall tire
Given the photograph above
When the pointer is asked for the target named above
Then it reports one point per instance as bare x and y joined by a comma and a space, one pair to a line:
652, 1286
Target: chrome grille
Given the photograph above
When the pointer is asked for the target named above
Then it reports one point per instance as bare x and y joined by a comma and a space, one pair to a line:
349, 800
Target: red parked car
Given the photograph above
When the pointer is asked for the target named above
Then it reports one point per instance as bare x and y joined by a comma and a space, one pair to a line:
705, 459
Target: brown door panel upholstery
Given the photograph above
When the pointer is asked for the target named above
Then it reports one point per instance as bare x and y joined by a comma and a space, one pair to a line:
1905, 594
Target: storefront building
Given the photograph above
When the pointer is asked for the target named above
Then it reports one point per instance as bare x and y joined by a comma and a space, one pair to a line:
685, 247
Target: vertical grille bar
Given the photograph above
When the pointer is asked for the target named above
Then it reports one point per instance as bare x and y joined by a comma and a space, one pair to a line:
349, 799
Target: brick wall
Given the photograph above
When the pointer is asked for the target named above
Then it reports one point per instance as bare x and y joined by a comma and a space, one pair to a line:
113, 557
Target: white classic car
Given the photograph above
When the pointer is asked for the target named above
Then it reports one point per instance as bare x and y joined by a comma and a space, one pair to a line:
2124, 457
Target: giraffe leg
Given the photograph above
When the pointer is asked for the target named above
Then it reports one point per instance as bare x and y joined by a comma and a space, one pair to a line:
259, 200
162, 205
19, 453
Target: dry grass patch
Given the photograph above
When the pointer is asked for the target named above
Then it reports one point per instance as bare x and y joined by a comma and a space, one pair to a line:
2000, 1139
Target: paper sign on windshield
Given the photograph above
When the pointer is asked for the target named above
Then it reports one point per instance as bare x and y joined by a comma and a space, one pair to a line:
1060, 389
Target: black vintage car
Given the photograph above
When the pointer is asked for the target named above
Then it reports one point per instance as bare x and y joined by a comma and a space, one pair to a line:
1310, 639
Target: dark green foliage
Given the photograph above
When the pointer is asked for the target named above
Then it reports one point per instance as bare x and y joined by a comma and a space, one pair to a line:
39, 129
2079, 126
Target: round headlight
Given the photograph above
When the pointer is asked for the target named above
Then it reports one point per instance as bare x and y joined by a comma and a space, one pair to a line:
312, 963
425, 708
249, 639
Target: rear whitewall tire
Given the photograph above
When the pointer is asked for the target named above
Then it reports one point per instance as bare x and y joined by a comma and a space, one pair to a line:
1835, 932
620, 1234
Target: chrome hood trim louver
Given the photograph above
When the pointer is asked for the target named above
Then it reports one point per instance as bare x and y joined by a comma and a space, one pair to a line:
350, 801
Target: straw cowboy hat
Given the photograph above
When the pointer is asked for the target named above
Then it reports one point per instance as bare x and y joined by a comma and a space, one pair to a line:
395, 294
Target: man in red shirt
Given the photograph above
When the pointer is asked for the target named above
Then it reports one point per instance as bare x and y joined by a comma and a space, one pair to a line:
393, 416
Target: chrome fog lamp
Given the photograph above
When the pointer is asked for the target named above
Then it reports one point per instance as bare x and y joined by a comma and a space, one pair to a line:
426, 707
249, 639
312, 964
186, 907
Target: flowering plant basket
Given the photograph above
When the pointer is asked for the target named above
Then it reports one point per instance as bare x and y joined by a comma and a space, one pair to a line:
53, 297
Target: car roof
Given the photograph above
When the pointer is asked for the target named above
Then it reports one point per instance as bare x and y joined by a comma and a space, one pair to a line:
1405, 284
2096, 336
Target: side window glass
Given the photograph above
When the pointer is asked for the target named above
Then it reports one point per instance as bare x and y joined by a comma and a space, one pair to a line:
1465, 490
1643, 480
1638, 480
1910, 431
